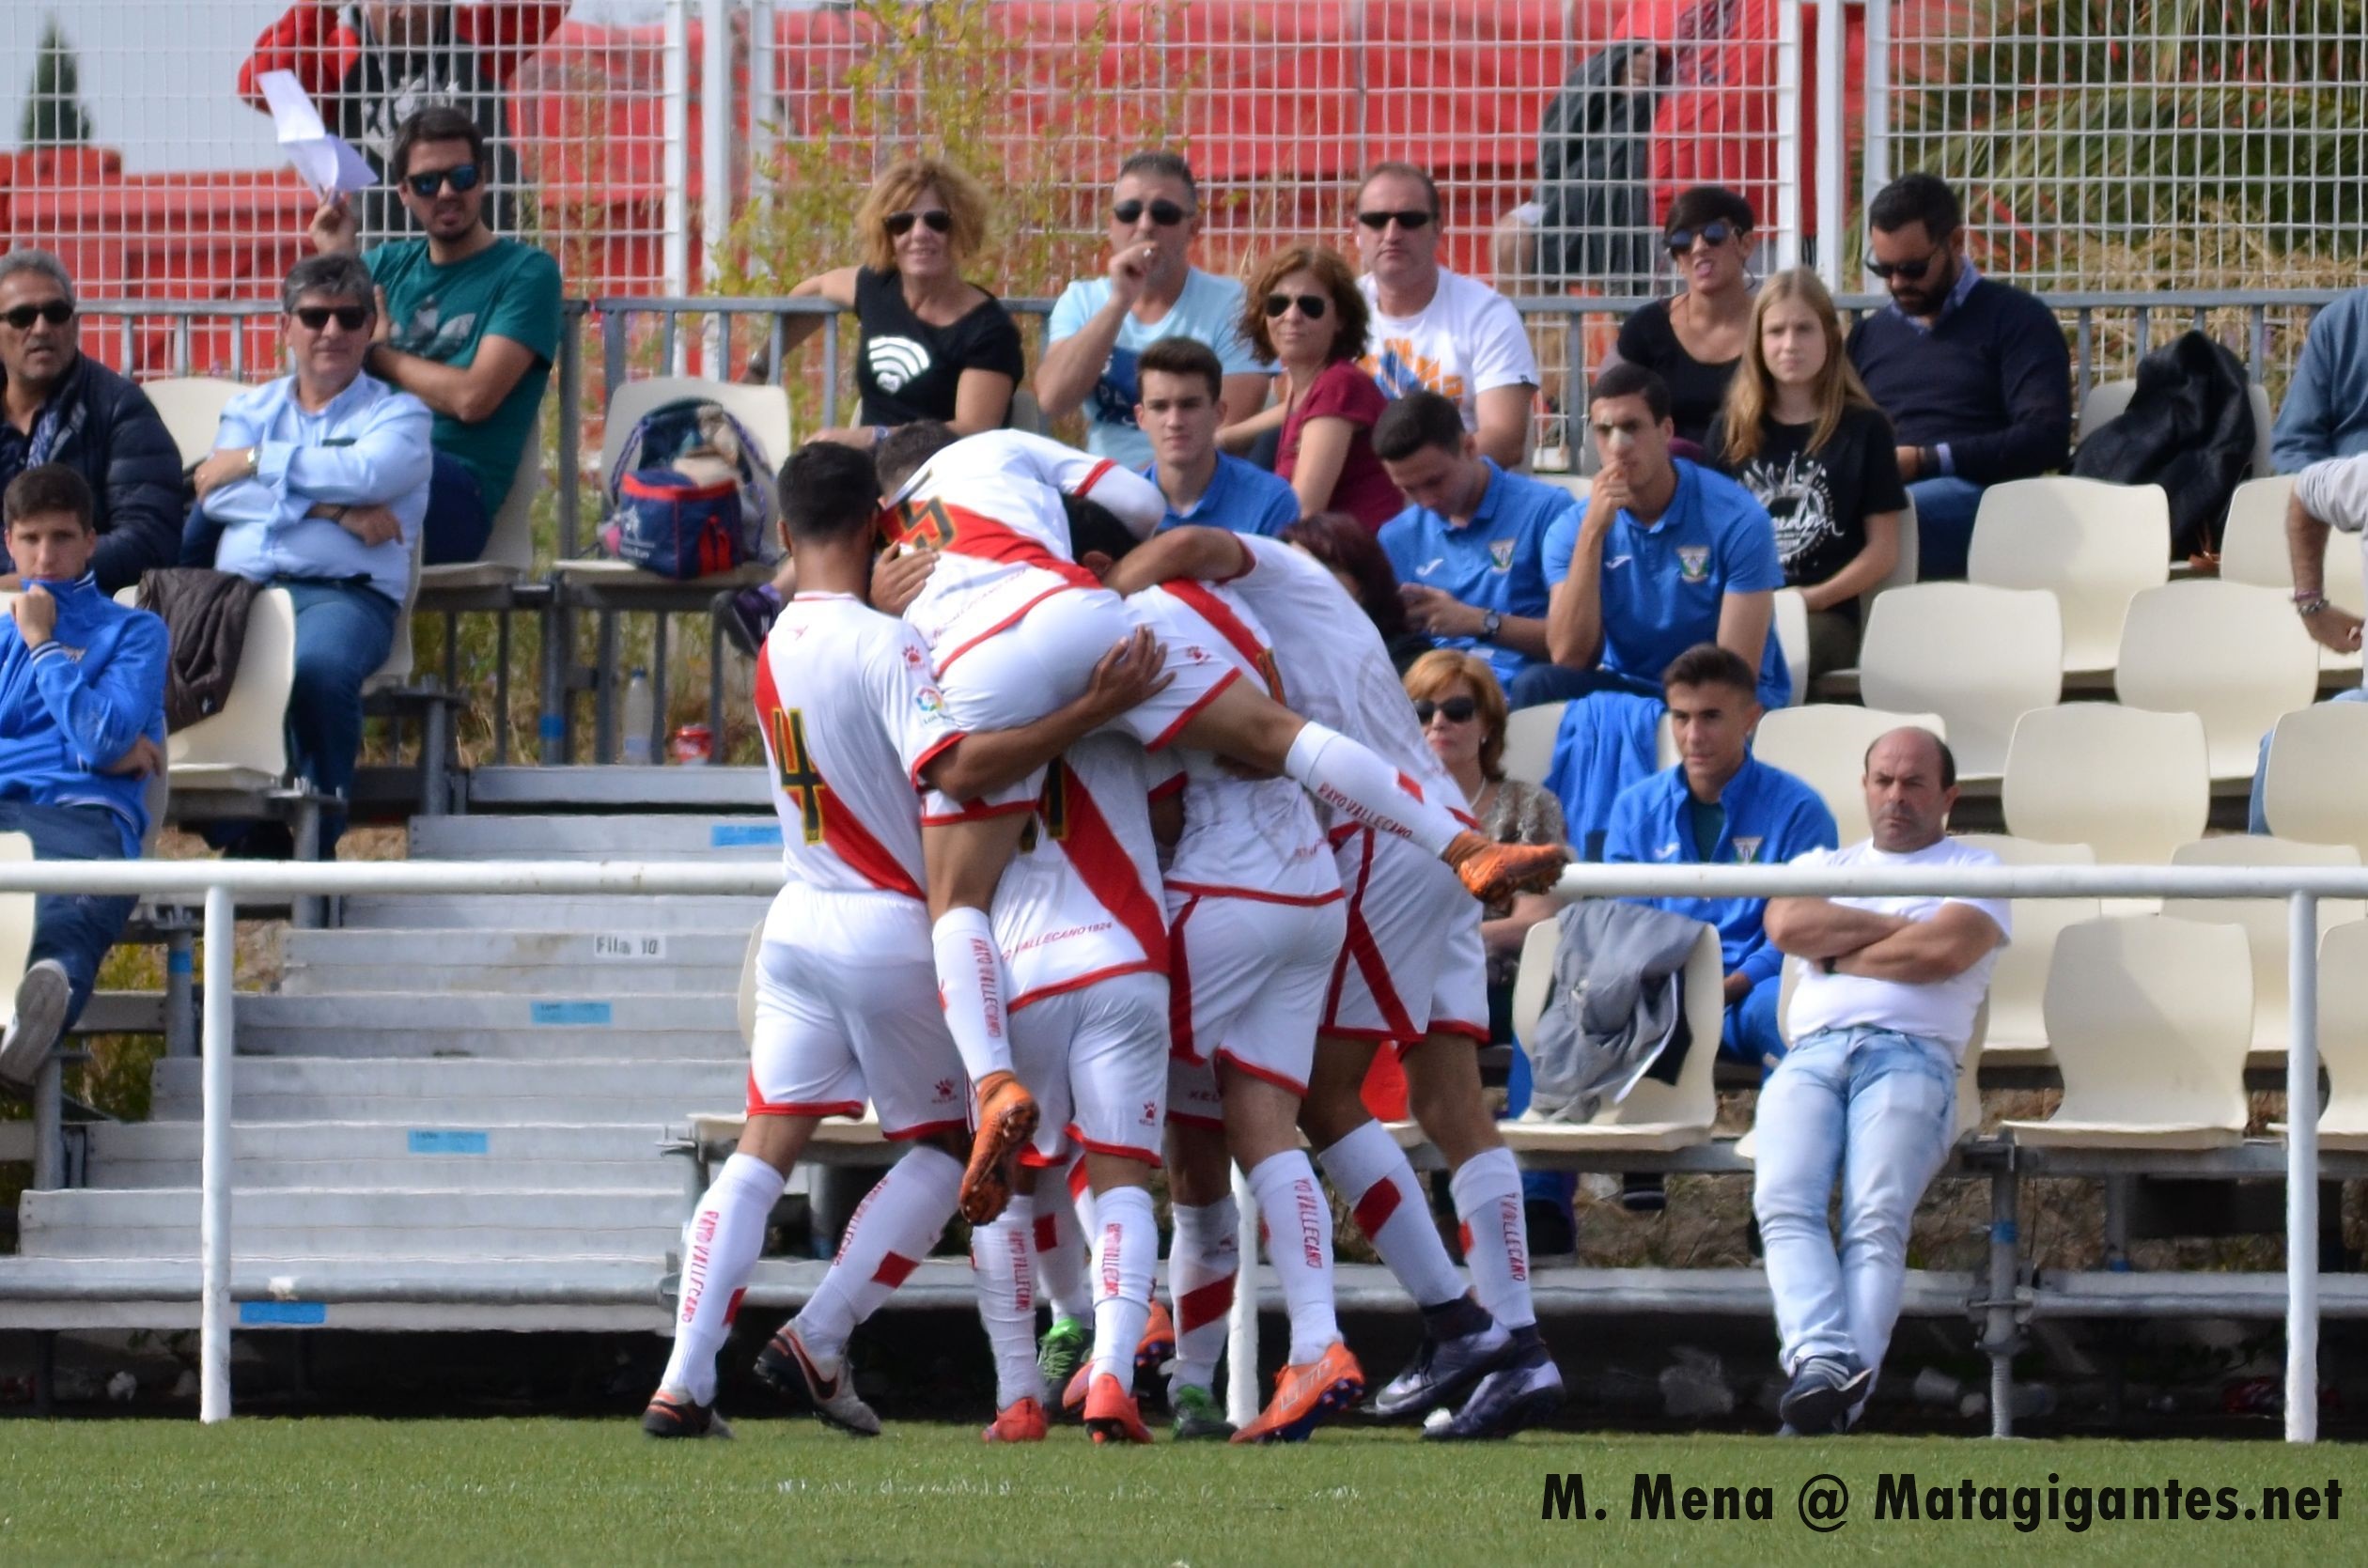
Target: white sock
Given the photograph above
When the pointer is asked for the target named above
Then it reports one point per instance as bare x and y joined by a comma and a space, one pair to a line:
1003, 1265
1369, 1170
1299, 1244
972, 986
720, 1245
1204, 1261
1344, 774
1060, 1258
891, 1231
1128, 1250
1487, 1194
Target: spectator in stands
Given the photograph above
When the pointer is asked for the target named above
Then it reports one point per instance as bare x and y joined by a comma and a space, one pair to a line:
1885, 1005
1101, 326
1694, 339
1183, 410
59, 405
1304, 314
320, 481
1470, 548
929, 346
2325, 414
1973, 374
1722, 806
1663, 554
1434, 330
1801, 433
1354, 557
370, 67
2329, 494
468, 324
1591, 223
82, 730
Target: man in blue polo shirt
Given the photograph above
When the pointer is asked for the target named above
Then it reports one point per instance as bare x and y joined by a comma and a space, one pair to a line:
1722, 806
1182, 387
1664, 555
1468, 550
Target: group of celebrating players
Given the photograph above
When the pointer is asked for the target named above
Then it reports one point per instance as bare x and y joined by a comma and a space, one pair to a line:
1113, 851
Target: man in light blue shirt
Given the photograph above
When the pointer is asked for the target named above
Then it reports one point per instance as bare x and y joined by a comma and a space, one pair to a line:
1183, 406
1101, 326
1470, 548
2324, 411
320, 480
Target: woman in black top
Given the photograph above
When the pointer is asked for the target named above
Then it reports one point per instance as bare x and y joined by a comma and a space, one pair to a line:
1801, 433
1692, 340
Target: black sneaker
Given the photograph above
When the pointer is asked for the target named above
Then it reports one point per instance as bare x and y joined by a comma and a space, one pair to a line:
675, 1414
791, 1369
1444, 1366
38, 1019
1823, 1389
1508, 1400
746, 615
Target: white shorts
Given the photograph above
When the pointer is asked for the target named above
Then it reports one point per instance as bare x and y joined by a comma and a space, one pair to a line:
1247, 980
1095, 1060
1413, 962
846, 1011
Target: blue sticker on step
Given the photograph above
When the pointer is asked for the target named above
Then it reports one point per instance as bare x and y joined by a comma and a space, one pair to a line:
444, 1141
570, 1012
298, 1313
744, 835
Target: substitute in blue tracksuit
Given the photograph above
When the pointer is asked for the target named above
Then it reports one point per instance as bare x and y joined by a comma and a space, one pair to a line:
82, 729
1719, 805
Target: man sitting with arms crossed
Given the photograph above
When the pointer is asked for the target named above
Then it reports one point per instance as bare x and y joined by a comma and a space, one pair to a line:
1182, 409
1880, 1022
82, 729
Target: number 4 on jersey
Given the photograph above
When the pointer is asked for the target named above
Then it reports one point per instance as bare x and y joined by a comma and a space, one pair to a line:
799, 779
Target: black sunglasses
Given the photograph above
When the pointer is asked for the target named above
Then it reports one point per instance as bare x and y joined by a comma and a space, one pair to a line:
352, 317
1311, 305
1410, 220
56, 312
1164, 213
938, 218
1717, 232
1458, 710
1911, 271
462, 178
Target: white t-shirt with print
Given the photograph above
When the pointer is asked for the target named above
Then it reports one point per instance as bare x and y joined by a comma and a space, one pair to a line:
1467, 341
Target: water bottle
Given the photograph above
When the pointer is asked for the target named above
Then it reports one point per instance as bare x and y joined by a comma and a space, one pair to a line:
641, 712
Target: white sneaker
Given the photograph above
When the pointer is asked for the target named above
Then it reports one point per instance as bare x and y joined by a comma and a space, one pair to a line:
40, 1018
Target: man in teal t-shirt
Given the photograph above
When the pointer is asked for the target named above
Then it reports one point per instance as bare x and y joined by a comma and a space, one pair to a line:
468, 325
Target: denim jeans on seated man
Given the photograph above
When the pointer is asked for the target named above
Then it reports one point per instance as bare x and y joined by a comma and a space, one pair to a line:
1945, 509
74, 929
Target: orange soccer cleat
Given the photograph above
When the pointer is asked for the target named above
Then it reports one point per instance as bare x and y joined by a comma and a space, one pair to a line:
1305, 1394
1111, 1415
1006, 1119
1158, 1346
1019, 1422
1490, 871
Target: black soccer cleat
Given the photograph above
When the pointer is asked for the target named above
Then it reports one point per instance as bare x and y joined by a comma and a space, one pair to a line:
1508, 1400
675, 1414
1443, 1369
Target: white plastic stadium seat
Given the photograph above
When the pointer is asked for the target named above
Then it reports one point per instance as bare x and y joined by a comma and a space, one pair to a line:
763, 409
2019, 985
244, 745
395, 667
1979, 657
2264, 920
1655, 1115
2130, 784
1790, 617
2343, 1036
2234, 655
190, 407
1824, 745
2254, 549
1529, 742
2105, 402
2091, 544
16, 926
509, 548
2312, 789
2264, 421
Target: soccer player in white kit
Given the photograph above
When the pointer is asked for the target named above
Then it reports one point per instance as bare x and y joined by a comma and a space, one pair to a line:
846, 1009
1014, 625
1411, 976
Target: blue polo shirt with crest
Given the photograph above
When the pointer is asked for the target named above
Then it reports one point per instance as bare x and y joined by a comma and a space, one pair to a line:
1496, 562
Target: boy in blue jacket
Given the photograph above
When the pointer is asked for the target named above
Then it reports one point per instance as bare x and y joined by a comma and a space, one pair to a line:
82, 729
1719, 805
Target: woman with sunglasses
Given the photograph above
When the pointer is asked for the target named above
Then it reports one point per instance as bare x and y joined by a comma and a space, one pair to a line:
1349, 551
1306, 315
1694, 339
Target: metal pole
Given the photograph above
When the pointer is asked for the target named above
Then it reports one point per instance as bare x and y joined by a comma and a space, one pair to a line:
764, 108
2302, 1210
1241, 1323
1789, 134
715, 163
213, 1234
1877, 167
1834, 147
675, 88
1999, 1336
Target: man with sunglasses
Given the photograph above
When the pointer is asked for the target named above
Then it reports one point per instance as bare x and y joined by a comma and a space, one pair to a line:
1973, 374
469, 324
1101, 326
57, 405
1435, 330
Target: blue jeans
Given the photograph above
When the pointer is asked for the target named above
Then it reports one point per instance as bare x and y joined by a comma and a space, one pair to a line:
1752, 1033
1945, 526
458, 521
1879, 1108
342, 634
1544, 683
2256, 814
74, 929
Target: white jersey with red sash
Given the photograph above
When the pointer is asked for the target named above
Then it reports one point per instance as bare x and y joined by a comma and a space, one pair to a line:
1081, 901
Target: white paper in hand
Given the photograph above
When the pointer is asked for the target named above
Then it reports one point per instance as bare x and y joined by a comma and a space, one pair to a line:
328, 163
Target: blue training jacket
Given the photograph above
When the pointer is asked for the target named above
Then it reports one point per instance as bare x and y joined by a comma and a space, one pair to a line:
78, 702
1771, 816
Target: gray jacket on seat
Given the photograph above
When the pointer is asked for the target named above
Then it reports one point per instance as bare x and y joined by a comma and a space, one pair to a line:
1617, 1008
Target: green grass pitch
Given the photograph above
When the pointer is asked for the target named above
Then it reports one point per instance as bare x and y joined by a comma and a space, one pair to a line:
464, 1493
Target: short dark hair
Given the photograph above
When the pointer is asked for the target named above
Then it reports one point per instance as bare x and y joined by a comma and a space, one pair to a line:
908, 446
340, 277
1183, 356
1093, 526
1634, 380
1409, 171
1948, 758
1916, 199
1162, 165
1708, 664
1698, 204
47, 488
1417, 420
829, 490
438, 122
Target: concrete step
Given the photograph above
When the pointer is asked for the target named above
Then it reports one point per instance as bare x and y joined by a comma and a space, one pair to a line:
628, 919
447, 1092
510, 963
604, 1157
89, 1223
589, 1295
461, 1022
637, 837
612, 788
